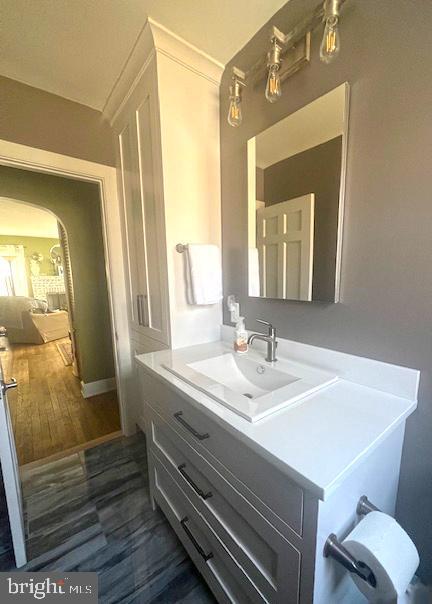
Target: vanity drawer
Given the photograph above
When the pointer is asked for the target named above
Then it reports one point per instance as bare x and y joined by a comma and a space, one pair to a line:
225, 578
270, 491
268, 559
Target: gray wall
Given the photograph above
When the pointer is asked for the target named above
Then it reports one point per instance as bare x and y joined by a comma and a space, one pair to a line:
386, 309
316, 170
77, 205
36, 118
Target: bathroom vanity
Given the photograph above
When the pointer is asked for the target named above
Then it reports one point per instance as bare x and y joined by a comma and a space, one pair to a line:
253, 502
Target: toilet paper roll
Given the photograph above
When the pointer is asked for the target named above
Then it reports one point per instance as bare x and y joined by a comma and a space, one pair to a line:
381, 543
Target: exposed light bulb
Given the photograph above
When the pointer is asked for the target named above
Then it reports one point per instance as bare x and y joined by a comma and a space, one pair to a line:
234, 112
235, 116
273, 89
330, 44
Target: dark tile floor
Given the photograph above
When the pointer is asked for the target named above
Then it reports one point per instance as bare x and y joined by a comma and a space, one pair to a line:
91, 512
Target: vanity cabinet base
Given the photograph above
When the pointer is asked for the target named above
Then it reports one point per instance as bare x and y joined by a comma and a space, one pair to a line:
248, 546
267, 558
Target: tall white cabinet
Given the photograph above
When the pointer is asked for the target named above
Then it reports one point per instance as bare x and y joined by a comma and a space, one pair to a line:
164, 111
139, 160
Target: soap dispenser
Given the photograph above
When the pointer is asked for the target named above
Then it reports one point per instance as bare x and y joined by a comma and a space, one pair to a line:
241, 337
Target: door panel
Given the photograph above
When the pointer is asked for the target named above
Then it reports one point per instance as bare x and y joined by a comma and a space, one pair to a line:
11, 477
285, 233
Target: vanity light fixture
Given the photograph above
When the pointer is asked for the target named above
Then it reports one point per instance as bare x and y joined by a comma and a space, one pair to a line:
235, 116
273, 89
289, 53
330, 44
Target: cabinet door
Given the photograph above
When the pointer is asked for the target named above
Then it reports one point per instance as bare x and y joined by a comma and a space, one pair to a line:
143, 214
154, 307
133, 219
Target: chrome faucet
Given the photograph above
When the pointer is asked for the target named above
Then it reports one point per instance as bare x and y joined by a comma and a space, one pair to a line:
270, 339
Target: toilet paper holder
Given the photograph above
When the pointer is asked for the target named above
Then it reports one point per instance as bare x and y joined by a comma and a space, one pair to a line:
333, 548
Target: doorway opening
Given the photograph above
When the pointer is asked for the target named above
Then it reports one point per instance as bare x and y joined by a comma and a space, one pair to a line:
55, 328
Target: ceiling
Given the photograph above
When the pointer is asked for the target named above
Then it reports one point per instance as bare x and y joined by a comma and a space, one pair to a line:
77, 48
26, 221
316, 123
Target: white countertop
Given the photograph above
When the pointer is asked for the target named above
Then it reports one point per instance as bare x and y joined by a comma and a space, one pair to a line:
319, 440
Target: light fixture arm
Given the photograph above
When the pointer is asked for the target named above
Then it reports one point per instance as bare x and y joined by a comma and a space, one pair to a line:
310, 22
274, 54
331, 8
237, 82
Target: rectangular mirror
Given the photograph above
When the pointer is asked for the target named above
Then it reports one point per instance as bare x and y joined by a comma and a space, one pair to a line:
296, 180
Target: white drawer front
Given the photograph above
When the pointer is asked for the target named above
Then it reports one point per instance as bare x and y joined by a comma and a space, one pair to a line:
221, 572
268, 559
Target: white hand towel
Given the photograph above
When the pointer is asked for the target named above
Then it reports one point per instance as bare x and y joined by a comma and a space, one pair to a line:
204, 274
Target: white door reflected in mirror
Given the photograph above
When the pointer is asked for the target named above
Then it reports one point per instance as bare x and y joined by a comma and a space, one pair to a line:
285, 238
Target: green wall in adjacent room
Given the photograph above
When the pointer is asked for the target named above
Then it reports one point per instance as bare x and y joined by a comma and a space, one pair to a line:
41, 245
77, 206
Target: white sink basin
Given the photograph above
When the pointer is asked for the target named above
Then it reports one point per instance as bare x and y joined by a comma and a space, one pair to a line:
243, 375
251, 388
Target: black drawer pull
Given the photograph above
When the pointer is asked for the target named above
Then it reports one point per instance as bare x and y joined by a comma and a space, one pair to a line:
179, 418
198, 491
195, 543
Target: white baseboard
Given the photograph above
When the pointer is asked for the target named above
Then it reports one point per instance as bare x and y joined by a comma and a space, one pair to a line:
93, 388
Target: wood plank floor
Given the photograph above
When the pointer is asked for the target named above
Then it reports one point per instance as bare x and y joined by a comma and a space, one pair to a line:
49, 414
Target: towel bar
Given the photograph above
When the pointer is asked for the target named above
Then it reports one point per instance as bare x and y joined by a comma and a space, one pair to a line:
180, 247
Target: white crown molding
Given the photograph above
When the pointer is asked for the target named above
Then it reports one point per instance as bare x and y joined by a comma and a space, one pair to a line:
135, 65
155, 38
191, 57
